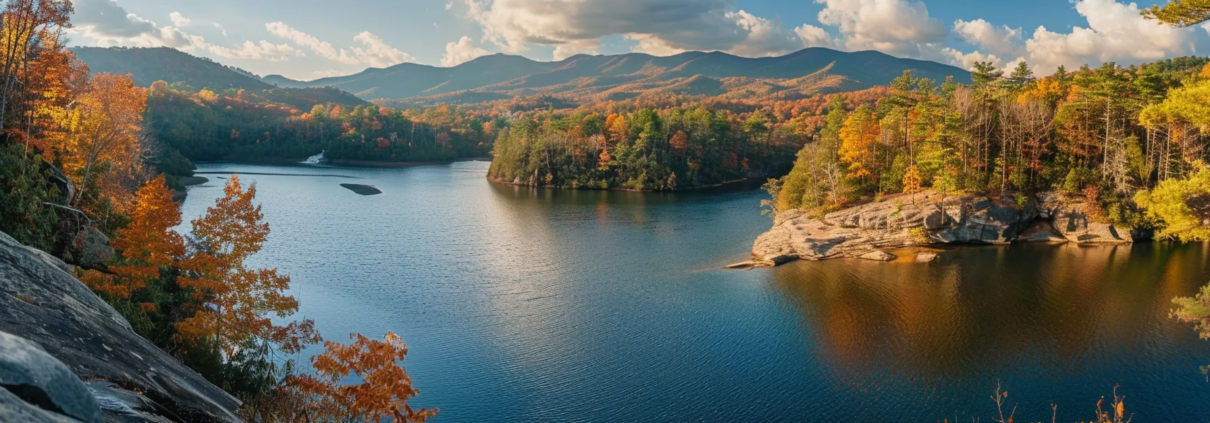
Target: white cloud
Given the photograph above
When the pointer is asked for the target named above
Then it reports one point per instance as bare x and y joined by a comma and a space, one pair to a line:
1115, 32
765, 37
659, 27
999, 40
462, 51
813, 36
967, 60
178, 19
220, 28
107, 24
375, 52
256, 51
898, 27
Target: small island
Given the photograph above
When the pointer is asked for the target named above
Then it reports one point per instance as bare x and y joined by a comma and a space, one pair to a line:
362, 189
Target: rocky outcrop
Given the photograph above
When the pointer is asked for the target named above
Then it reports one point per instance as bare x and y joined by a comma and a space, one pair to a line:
928, 218
131, 378
30, 374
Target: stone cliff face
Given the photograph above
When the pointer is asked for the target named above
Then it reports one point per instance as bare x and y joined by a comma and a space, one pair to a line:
930, 219
129, 379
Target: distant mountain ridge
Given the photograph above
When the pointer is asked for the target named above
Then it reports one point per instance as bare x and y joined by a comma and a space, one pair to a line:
580, 78
179, 69
147, 65
618, 77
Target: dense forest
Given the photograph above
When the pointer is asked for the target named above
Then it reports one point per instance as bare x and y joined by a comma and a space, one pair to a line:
690, 145
79, 165
1105, 133
296, 123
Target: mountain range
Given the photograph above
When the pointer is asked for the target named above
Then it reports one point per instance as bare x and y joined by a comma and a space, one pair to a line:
580, 78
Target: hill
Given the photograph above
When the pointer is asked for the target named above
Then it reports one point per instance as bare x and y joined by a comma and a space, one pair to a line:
191, 73
586, 78
147, 65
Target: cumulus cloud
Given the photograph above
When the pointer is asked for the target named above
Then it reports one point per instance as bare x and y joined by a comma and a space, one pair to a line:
997, 40
893, 26
813, 36
658, 27
178, 19
256, 51
108, 24
462, 51
374, 51
1116, 32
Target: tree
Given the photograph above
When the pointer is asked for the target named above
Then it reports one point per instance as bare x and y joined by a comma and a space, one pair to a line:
237, 301
1183, 13
1182, 205
858, 139
911, 180
147, 245
105, 123
383, 391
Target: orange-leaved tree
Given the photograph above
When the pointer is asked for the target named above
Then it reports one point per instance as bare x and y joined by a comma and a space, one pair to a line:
384, 390
147, 245
238, 303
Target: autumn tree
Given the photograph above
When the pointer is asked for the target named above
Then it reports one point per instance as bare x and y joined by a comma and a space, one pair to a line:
1184, 13
147, 245
859, 138
1182, 205
382, 393
239, 304
104, 129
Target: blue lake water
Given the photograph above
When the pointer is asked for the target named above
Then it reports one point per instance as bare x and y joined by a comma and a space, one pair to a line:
536, 305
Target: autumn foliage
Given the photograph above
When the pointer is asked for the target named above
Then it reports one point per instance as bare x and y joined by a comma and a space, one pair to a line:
382, 393
147, 245
239, 303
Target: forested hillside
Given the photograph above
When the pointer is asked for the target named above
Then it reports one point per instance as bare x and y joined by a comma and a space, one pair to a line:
243, 126
147, 65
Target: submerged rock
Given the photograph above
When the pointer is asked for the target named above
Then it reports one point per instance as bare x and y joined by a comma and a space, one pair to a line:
42, 303
932, 219
878, 255
362, 189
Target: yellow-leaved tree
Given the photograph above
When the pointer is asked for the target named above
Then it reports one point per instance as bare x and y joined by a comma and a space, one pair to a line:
1182, 205
858, 139
102, 135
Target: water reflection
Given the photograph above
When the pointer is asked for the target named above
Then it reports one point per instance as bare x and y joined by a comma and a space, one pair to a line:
991, 312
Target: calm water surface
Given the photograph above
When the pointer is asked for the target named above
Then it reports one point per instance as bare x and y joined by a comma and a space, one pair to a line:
525, 304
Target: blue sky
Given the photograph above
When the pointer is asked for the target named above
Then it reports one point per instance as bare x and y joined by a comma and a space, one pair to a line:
308, 39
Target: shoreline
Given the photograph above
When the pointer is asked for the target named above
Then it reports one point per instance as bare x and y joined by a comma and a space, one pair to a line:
721, 185
338, 163
872, 231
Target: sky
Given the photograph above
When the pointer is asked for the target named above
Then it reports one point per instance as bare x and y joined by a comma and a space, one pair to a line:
310, 39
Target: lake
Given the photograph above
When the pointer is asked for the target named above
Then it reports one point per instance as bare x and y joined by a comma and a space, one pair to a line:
522, 304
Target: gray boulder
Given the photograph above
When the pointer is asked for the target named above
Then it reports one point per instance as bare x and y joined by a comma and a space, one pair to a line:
1072, 221
39, 379
42, 303
14, 409
898, 221
930, 218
